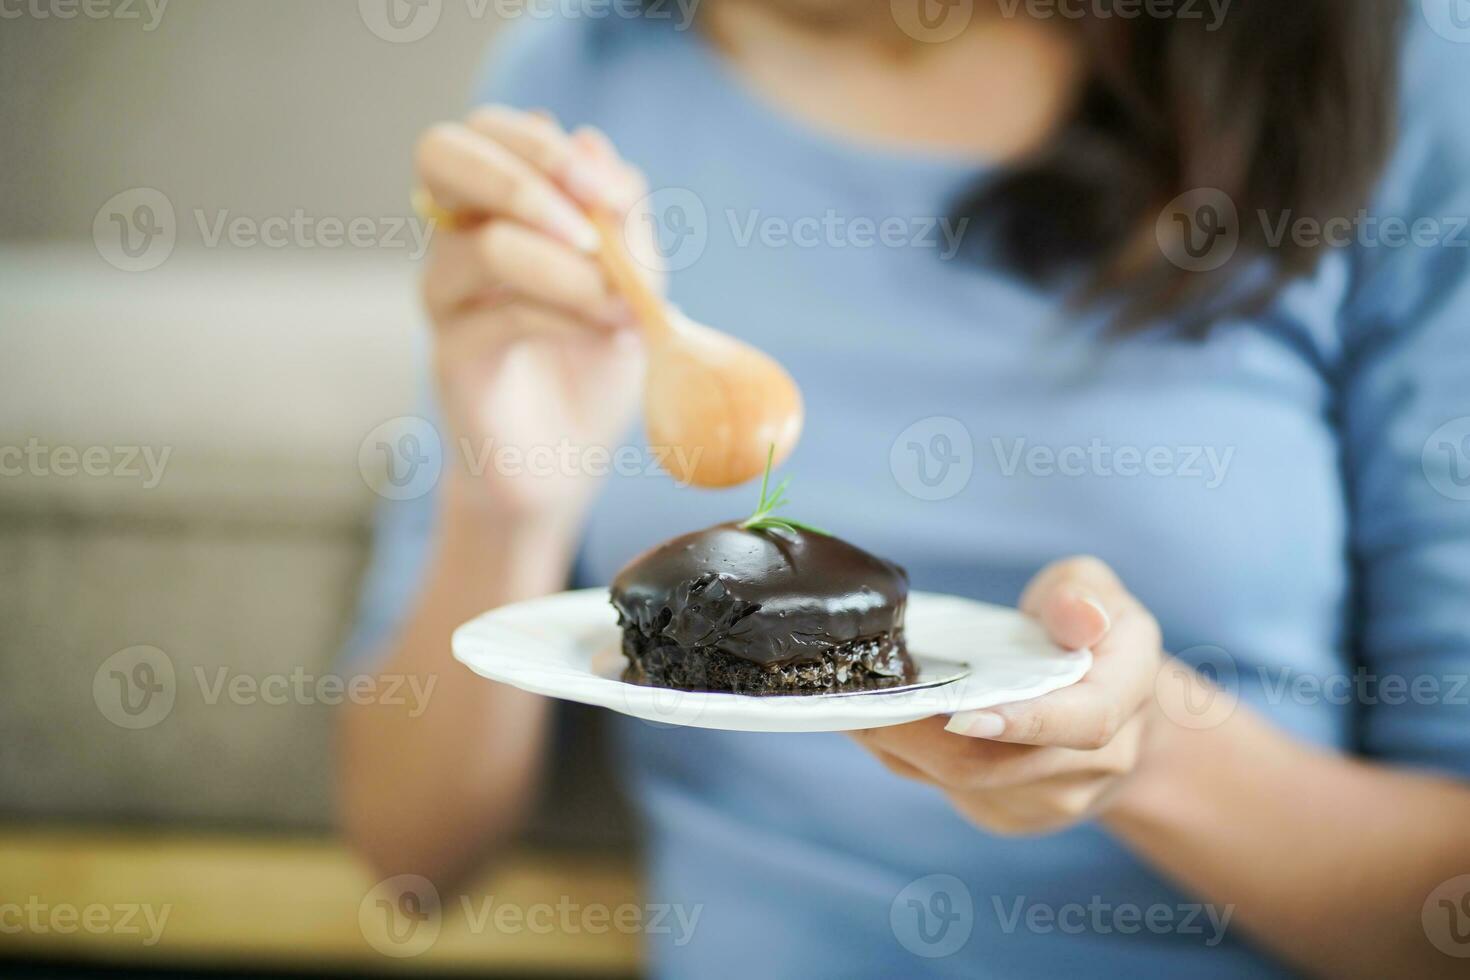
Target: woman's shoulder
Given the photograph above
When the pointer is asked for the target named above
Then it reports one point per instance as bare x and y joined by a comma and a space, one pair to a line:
1431, 161
1411, 264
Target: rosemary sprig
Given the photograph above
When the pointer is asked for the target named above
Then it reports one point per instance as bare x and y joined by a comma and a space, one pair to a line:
764, 518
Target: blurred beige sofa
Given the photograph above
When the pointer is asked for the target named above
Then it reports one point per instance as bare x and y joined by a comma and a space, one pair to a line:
221, 519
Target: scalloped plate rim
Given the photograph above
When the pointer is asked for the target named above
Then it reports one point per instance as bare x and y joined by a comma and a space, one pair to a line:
547, 646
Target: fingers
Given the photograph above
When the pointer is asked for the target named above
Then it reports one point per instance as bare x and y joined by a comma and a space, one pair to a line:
901, 768
1081, 603
535, 138
1075, 600
583, 164
1088, 714
466, 171
501, 256
544, 270
936, 755
490, 329
623, 185
531, 179
925, 751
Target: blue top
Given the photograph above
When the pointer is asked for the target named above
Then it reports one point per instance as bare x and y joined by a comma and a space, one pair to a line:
1290, 496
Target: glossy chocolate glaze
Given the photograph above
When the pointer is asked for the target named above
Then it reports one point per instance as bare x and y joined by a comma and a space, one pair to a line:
770, 597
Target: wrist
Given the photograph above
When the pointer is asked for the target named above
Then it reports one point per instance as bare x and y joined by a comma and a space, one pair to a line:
505, 556
475, 511
1179, 744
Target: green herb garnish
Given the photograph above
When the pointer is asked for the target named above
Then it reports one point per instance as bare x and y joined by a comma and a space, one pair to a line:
763, 519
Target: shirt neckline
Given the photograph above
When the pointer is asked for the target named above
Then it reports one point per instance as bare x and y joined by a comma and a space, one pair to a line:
749, 112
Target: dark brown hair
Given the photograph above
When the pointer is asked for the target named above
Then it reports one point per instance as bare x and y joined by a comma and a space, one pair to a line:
1281, 108
1285, 107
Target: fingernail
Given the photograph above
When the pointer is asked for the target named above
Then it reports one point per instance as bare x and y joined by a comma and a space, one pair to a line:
977, 724
567, 222
1102, 611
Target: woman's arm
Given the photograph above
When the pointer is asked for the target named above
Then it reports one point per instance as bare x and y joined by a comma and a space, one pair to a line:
429, 793
531, 351
1327, 860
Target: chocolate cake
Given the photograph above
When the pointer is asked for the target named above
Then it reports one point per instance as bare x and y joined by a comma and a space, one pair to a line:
783, 610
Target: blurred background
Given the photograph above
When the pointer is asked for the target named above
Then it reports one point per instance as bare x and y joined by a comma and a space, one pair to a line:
208, 303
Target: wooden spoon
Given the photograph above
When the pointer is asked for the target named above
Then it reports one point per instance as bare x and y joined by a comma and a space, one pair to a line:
713, 404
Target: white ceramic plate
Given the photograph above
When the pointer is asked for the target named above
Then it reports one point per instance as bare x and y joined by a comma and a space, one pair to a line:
568, 646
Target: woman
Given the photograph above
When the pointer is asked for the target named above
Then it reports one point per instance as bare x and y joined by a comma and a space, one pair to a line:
1252, 420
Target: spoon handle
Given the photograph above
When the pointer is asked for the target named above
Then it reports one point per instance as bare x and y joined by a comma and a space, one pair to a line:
626, 279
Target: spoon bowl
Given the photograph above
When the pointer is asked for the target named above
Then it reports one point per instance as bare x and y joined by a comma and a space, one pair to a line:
721, 401
710, 400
